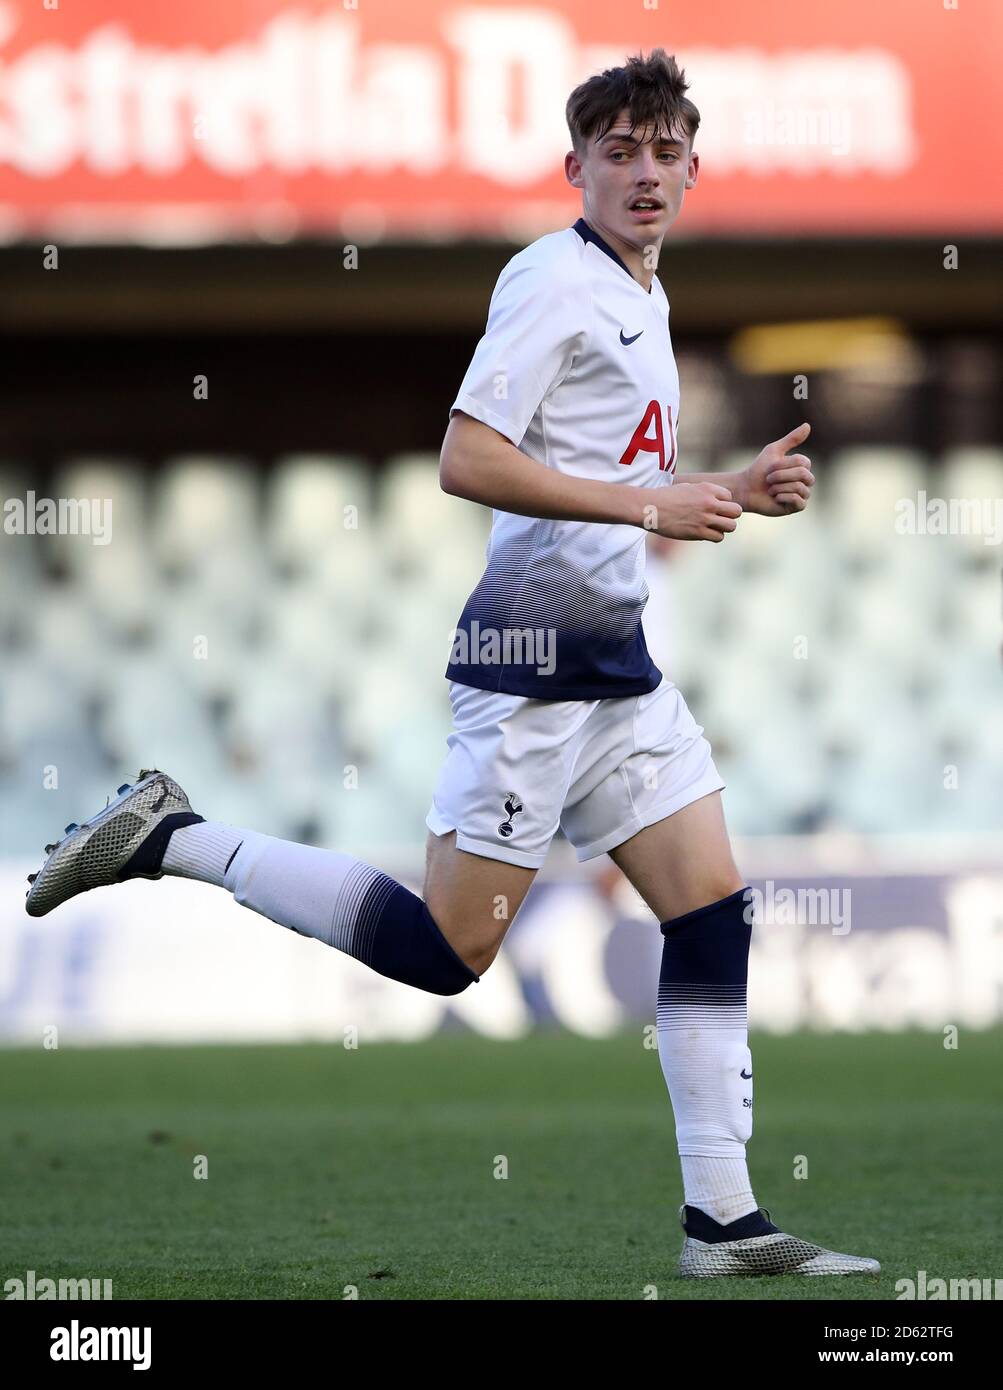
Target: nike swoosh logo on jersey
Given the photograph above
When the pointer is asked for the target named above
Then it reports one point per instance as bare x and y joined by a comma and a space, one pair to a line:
747, 1075
627, 341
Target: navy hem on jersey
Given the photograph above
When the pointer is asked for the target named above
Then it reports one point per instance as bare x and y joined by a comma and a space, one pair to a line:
534, 688
585, 668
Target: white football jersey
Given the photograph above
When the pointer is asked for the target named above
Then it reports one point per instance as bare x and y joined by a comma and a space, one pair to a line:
576, 369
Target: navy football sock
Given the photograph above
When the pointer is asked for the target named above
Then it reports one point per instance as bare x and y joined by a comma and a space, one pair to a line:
407, 945
700, 1226
703, 1047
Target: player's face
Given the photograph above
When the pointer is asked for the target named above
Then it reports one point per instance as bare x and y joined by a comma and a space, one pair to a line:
619, 171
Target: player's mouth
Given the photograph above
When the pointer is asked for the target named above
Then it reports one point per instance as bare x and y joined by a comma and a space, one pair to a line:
646, 209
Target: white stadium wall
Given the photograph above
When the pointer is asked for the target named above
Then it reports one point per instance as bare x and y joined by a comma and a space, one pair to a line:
884, 948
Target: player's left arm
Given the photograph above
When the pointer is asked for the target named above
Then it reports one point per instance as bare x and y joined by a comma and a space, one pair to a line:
777, 483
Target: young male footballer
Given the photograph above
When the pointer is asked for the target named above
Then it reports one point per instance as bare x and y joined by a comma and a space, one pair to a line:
566, 425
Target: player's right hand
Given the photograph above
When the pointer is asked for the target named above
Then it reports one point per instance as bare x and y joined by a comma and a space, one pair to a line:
693, 512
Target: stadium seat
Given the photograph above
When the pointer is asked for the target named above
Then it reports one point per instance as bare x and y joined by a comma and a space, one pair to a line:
787, 768
973, 476
882, 620
275, 708
70, 638
428, 532
36, 700
974, 605
201, 631
205, 507
749, 808
317, 504
892, 784
855, 690
149, 717
381, 701
737, 700
412, 758
21, 582
865, 489
965, 702
973, 471
307, 630
369, 819
118, 482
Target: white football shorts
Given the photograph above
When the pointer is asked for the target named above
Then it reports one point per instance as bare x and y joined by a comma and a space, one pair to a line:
517, 768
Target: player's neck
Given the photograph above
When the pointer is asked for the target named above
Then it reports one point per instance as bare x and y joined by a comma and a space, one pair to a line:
631, 257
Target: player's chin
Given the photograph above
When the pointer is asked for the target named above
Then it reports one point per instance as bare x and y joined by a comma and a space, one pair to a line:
647, 226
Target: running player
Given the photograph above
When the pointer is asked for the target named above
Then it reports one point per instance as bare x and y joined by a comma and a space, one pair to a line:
566, 425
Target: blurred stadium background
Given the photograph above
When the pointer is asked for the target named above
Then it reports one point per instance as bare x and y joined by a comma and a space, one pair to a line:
248, 251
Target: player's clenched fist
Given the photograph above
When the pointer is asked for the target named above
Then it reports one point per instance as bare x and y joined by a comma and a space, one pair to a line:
779, 482
693, 512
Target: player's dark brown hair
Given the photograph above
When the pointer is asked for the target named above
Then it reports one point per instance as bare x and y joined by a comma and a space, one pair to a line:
652, 89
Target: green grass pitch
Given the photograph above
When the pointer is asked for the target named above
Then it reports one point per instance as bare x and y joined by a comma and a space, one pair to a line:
376, 1168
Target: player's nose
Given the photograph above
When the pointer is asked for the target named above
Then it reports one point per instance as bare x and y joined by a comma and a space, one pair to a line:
648, 171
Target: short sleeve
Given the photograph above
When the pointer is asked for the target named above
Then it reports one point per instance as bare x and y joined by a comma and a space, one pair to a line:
537, 323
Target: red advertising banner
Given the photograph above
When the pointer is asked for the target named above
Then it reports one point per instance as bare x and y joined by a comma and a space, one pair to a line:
180, 121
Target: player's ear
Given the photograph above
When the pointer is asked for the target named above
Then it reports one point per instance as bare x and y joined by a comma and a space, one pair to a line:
573, 170
693, 171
